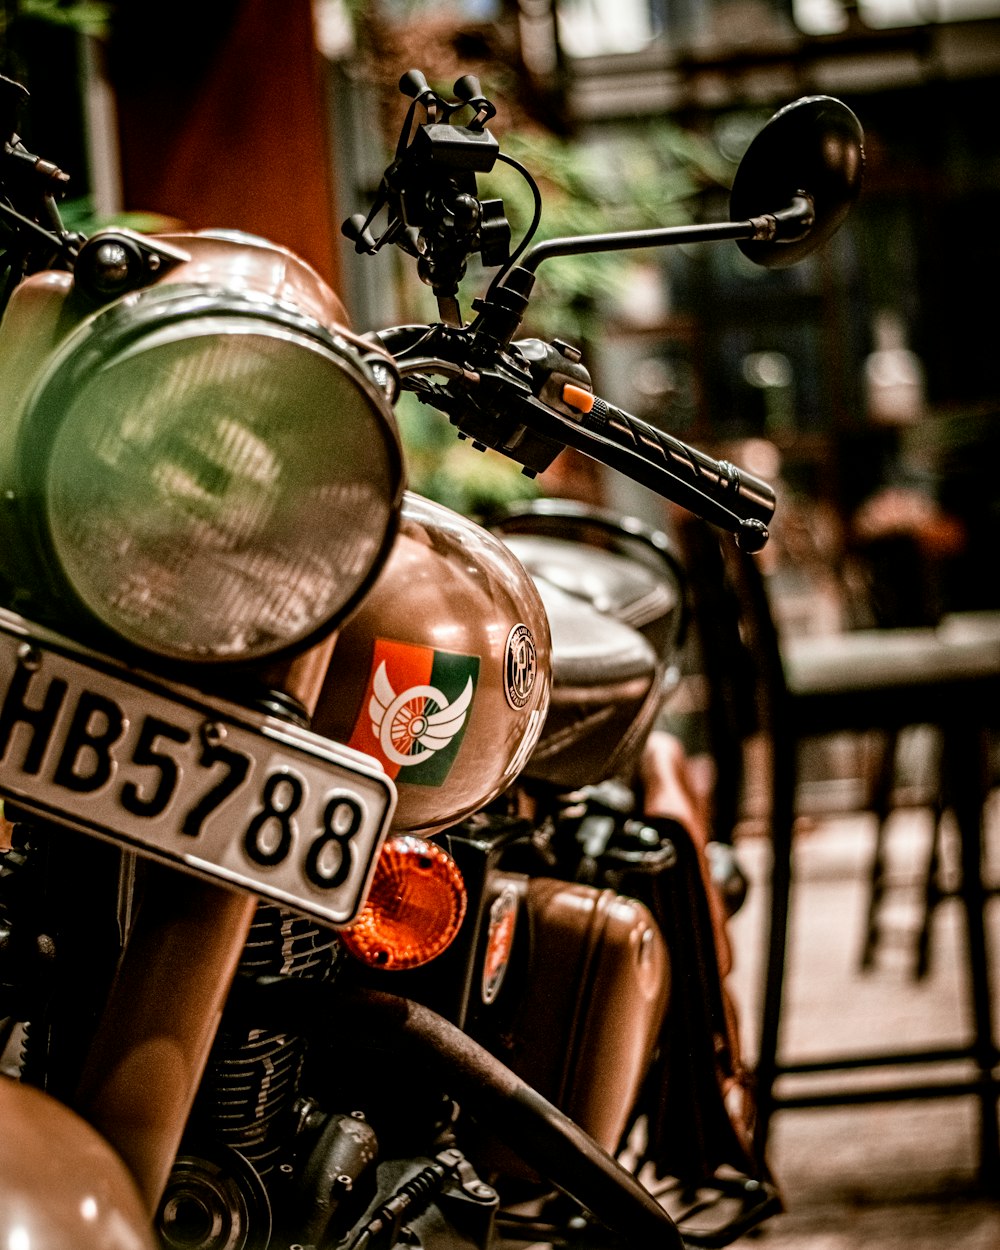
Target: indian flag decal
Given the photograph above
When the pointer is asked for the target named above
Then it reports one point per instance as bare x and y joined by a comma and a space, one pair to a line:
415, 711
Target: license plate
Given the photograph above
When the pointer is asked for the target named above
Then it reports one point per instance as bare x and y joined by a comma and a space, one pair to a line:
203, 785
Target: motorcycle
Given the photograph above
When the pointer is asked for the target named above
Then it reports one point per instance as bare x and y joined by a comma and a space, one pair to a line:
349, 896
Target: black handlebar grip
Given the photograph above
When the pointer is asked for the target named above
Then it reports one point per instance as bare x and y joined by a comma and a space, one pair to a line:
714, 489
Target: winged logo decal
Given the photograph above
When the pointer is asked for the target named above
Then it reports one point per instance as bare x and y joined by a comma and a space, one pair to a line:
412, 726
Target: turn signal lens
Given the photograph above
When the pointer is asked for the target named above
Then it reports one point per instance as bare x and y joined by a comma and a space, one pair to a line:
414, 908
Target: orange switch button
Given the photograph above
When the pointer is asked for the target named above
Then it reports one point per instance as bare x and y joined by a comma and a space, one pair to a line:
577, 397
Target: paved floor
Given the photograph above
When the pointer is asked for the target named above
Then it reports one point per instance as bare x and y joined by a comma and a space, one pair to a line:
877, 1177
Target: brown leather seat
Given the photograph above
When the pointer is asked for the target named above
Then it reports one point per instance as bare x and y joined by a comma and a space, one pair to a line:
606, 680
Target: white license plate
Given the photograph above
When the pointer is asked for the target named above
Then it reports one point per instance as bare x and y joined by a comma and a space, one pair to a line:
201, 784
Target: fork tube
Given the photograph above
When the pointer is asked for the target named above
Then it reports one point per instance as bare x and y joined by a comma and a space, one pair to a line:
152, 1044
301, 678
153, 1040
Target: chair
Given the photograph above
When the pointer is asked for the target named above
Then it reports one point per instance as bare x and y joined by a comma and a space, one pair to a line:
809, 688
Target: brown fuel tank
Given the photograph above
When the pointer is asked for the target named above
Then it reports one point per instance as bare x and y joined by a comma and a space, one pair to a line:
62, 1187
442, 673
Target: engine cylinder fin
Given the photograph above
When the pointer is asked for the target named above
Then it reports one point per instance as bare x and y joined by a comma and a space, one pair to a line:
251, 1080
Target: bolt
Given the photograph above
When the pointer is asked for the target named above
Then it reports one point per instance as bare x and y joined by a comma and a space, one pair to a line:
29, 657
111, 265
212, 733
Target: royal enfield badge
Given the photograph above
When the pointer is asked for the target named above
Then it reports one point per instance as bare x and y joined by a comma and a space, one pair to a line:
520, 666
499, 942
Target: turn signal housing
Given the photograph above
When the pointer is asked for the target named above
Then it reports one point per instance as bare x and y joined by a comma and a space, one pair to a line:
414, 910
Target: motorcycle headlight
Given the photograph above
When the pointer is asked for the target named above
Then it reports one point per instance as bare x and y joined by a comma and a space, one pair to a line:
215, 477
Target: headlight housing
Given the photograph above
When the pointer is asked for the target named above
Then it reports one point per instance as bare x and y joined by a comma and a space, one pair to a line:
212, 476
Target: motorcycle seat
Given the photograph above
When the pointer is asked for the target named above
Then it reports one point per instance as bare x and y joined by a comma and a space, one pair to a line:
593, 654
612, 583
607, 676
614, 594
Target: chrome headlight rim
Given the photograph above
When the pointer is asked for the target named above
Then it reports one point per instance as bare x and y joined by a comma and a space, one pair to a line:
108, 336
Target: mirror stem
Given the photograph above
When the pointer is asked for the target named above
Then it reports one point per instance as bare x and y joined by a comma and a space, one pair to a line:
620, 241
789, 225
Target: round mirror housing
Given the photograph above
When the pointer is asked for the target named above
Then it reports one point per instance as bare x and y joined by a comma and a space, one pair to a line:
812, 150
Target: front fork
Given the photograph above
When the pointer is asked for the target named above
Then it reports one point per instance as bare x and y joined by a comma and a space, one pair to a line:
152, 1043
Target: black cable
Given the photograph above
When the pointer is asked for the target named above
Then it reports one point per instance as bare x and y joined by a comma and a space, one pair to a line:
529, 234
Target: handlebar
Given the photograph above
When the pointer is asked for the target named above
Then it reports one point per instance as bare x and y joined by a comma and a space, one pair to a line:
715, 490
497, 409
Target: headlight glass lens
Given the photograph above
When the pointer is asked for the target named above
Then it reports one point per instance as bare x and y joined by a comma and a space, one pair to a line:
220, 487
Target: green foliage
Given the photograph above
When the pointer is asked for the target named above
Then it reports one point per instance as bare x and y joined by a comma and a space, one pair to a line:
89, 17
638, 179
78, 215
449, 471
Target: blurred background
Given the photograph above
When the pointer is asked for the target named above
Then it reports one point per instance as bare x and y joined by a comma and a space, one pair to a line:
865, 381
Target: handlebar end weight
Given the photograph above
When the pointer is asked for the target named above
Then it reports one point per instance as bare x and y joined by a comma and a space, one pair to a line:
752, 536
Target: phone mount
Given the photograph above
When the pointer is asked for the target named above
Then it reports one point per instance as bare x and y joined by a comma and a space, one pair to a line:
429, 191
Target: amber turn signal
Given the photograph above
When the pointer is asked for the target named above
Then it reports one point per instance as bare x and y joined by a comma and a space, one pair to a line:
414, 908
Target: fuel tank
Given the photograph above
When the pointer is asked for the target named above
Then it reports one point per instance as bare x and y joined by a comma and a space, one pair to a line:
62, 1187
443, 672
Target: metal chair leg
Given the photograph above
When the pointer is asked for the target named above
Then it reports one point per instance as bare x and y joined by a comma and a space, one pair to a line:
776, 949
965, 771
881, 805
932, 895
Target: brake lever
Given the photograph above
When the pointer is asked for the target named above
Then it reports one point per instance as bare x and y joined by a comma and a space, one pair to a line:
715, 490
534, 399
496, 408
